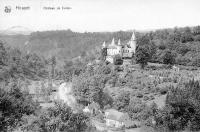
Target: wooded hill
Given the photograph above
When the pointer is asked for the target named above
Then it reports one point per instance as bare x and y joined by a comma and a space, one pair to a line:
63, 44
66, 44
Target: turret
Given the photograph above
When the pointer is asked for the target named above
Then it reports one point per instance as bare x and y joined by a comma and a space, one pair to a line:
113, 42
132, 42
119, 42
104, 45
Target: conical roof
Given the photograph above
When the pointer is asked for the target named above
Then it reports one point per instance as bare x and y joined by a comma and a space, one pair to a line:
119, 42
132, 42
133, 36
104, 44
113, 42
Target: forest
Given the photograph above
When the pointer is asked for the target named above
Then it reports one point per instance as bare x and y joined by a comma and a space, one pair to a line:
159, 92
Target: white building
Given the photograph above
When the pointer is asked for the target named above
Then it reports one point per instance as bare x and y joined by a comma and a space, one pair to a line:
129, 48
114, 49
125, 50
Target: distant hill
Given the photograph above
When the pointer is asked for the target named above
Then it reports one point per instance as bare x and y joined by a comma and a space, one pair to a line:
16, 30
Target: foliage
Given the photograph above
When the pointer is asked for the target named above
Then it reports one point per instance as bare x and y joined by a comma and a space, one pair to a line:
121, 102
103, 54
142, 56
3, 53
14, 104
168, 58
68, 44
138, 110
73, 68
182, 108
16, 64
60, 118
89, 86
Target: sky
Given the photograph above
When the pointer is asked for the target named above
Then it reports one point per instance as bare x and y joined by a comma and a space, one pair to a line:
100, 15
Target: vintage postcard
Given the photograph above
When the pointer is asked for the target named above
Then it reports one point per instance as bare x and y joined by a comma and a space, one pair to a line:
99, 65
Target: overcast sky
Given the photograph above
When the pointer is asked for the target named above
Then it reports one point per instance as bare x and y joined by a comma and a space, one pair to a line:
101, 15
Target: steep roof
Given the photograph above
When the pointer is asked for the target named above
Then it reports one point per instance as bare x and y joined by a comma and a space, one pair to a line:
104, 44
133, 36
113, 42
119, 42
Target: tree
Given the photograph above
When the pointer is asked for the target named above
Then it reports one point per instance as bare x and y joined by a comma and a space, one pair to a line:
3, 53
197, 38
68, 70
143, 39
60, 118
183, 49
186, 37
14, 104
146, 48
142, 56
104, 54
53, 64
121, 102
168, 57
90, 86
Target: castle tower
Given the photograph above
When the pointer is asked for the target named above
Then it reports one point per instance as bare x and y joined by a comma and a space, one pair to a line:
132, 42
104, 45
113, 42
119, 42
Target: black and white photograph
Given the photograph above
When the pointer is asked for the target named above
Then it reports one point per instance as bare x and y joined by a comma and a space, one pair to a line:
99, 65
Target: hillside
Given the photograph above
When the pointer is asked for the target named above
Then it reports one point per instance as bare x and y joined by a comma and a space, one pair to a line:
66, 44
157, 96
63, 44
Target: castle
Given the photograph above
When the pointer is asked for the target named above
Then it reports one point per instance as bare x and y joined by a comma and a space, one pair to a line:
126, 51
